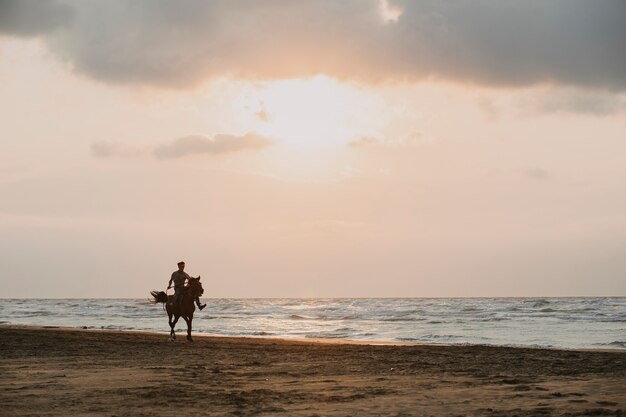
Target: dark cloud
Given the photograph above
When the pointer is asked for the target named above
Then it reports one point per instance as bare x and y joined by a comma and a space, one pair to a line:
487, 42
576, 102
219, 144
32, 17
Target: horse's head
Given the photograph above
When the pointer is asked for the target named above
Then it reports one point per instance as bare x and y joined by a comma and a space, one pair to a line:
195, 287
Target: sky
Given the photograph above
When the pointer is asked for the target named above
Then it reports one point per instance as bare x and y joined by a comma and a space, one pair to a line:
348, 148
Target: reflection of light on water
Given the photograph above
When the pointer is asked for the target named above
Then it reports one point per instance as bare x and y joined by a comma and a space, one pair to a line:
568, 323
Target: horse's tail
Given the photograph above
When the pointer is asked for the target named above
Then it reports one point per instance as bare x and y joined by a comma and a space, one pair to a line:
158, 297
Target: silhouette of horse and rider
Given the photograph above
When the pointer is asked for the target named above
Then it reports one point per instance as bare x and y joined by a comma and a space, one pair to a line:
187, 290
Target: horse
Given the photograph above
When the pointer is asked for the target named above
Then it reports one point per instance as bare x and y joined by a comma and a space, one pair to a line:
184, 309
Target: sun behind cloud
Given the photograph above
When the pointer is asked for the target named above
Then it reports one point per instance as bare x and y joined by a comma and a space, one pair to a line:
316, 112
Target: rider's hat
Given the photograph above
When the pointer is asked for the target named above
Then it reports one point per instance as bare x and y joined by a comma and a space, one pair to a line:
181, 263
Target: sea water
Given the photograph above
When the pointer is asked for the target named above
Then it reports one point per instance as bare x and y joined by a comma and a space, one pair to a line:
588, 322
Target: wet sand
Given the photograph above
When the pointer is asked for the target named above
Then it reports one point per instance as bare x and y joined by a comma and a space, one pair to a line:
60, 372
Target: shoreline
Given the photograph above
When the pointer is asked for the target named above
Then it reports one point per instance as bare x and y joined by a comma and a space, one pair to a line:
464, 297
56, 371
180, 333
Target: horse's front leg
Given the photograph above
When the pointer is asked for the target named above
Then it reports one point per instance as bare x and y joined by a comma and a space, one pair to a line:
169, 321
172, 326
188, 320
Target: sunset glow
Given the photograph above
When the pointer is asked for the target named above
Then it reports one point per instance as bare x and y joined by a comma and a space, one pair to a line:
309, 113
375, 148
350, 207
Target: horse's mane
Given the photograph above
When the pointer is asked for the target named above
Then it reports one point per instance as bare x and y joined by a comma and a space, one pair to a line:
195, 287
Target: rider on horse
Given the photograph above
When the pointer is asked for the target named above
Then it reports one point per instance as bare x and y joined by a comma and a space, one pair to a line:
179, 277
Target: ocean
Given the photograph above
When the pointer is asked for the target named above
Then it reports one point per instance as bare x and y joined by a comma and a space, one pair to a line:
585, 322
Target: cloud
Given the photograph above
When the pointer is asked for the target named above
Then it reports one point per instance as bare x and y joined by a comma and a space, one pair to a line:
537, 174
219, 144
410, 140
262, 114
350, 171
363, 141
179, 44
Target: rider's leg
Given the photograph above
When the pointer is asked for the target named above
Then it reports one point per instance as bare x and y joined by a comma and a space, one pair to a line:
178, 296
200, 306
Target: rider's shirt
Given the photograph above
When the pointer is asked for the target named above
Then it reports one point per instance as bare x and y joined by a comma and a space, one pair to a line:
179, 278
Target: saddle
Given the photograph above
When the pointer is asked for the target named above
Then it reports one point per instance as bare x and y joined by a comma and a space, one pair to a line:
170, 298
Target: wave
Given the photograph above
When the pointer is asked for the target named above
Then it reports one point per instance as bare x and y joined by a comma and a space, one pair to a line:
494, 319
329, 335
566, 323
333, 318
36, 313
442, 336
615, 344
540, 303
403, 319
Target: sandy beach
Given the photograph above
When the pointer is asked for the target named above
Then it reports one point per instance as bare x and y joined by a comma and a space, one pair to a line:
51, 371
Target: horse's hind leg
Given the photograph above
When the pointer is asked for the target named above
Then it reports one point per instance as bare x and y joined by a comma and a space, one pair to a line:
188, 320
